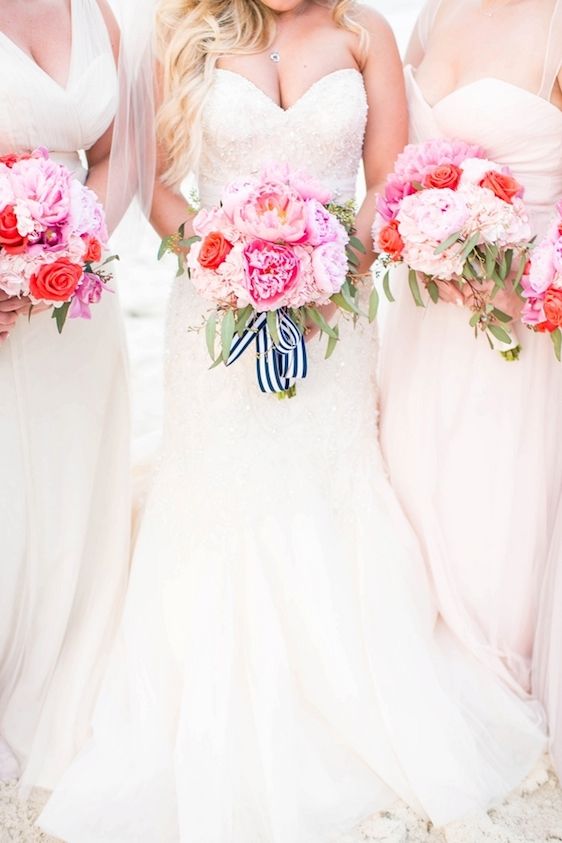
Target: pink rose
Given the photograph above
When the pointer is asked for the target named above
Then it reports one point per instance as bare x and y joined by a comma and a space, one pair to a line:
330, 266
272, 271
88, 292
322, 226
46, 189
272, 211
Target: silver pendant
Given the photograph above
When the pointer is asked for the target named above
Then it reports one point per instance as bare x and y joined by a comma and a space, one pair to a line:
275, 57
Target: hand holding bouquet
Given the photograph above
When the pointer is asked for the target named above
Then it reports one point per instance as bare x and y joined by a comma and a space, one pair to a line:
452, 215
268, 259
52, 236
542, 285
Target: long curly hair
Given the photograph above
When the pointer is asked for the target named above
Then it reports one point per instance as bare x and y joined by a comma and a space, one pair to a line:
191, 35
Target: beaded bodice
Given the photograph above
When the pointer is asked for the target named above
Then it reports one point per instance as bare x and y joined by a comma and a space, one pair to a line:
321, 133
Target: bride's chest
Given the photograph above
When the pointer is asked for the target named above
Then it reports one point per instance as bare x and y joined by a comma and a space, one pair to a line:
243, 126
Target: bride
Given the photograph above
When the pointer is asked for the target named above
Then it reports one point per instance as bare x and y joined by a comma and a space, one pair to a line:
280, 672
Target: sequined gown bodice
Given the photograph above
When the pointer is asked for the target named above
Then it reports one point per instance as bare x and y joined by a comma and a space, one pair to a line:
243, 129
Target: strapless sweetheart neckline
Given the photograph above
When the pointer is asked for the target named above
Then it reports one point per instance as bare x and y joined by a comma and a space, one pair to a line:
475, 83
303, 96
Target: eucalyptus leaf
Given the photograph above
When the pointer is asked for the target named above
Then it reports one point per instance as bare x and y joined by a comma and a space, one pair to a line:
211, 334
242, 319
415, 288
340, 301
165, 246
503, 317
60, 314
374, 300
227, 334
356, 244
490, 261
499, 333
272, 327
386, 286
470, 244
450, 241
332, 343
433, 291
474, 320
556, 337
352, 257
320, 322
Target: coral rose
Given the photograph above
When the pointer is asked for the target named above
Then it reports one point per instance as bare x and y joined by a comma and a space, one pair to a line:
390, 240
553, 307
93, 251
56, 281
10, 238
272, 272
503, 186
214, 249
445, 175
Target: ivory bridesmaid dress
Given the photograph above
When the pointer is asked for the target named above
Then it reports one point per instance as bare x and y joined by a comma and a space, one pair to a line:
473, 442
64, 433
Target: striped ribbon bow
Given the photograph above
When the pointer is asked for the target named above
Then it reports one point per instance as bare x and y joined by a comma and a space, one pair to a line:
277, 366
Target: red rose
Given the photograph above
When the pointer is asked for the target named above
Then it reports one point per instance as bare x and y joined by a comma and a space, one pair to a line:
503, 186
10, 238
56, 281
390, 240
214, 250
93, 251
444, 176
553, 308
11, 159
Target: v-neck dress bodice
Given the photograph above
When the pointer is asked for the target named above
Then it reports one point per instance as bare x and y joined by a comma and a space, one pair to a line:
36, 110
64, 422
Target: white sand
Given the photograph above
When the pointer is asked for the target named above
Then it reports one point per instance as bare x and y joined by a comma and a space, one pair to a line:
531, 816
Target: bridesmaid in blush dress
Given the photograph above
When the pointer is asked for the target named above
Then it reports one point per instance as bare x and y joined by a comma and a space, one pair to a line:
473, 442
64, 423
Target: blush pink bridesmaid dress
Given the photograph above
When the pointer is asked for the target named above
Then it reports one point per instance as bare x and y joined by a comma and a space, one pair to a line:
473, 442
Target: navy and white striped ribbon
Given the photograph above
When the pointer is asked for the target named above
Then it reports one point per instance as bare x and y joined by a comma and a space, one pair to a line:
277, 366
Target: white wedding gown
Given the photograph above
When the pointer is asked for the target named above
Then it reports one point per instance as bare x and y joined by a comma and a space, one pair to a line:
64, 467
280, 673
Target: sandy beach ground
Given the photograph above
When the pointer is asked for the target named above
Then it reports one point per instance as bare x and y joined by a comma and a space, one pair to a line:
532, 815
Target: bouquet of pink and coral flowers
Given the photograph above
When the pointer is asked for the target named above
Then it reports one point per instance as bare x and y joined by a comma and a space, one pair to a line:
542, 285
52, 236
450, 214
268, 258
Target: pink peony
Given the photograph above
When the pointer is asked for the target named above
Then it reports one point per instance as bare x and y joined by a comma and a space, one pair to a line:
321, 226
272, 271
298, 180
46, 189
330, 266
87, 215
272, 211
432, 216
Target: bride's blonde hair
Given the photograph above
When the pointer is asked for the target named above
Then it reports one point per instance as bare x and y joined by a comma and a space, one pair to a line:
191, 36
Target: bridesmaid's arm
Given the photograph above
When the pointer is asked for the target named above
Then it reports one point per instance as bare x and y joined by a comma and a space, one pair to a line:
98, 154
387, 125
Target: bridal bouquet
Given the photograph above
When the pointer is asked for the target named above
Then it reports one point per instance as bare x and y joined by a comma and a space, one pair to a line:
52, 236
273, 253
450, 214
542, 285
